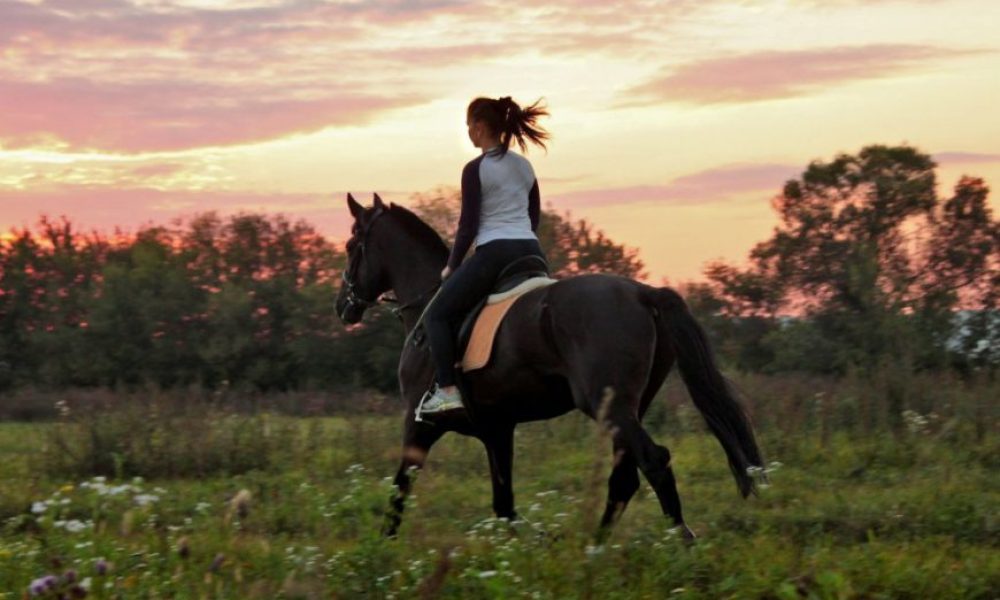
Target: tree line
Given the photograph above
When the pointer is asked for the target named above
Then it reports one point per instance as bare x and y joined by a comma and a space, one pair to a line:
867, 267
245, 300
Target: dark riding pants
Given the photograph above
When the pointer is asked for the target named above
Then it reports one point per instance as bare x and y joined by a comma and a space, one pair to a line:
469, 284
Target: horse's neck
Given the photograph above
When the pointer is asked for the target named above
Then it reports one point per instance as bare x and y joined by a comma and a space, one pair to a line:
416, 274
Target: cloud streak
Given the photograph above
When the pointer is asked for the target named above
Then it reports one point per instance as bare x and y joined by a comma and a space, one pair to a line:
769, 75
709, 186
966, 158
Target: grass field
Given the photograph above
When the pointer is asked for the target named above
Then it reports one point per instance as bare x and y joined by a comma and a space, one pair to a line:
264, 505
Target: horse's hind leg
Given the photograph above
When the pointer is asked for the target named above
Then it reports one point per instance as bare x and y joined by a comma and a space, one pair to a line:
654, 462
417, 441
622, 485
624, 480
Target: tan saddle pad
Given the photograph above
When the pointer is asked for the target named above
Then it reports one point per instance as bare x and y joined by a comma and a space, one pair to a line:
480, 347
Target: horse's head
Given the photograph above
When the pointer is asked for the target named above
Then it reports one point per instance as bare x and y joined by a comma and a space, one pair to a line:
365, 277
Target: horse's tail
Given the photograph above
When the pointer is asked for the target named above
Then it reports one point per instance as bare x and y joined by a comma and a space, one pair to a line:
708, 388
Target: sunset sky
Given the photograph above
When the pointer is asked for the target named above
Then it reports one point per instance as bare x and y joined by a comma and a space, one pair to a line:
673, 123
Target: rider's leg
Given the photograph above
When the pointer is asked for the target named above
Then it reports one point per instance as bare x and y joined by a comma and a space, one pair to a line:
470, 282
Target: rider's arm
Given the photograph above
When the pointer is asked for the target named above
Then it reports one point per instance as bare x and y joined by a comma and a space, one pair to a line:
468, 221
534, 205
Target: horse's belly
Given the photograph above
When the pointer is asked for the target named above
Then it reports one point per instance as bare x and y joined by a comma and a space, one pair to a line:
523, 395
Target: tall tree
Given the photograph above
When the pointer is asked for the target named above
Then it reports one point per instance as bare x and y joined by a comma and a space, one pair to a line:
867, 251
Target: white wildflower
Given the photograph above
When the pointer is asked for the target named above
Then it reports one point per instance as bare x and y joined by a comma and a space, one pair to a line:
72, 525
119, 489
145, 499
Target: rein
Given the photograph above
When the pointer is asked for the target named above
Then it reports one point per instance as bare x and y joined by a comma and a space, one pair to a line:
398, 311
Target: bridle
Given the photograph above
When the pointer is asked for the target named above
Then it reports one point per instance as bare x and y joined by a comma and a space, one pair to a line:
349, 275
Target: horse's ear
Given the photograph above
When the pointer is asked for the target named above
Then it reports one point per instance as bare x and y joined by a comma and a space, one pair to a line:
356, 209
378, 202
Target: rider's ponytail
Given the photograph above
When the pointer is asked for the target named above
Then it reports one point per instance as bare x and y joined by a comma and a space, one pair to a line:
511, 122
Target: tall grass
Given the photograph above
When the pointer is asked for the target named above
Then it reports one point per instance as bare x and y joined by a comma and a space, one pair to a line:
157, 440
235, 501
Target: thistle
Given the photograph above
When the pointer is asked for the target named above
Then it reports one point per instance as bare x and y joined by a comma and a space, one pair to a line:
43, 585
183, 548
240, 504
217, 563
102, 567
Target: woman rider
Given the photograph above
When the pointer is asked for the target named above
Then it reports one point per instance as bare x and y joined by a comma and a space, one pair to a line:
500, 211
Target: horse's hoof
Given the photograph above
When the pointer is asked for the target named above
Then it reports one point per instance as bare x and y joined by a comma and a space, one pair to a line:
390, 530
511, 518
687, 535
602, 535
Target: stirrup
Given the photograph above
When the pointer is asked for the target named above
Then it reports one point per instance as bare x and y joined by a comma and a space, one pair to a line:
436, 404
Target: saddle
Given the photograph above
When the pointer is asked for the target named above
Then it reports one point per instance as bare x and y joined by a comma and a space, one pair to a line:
479, 327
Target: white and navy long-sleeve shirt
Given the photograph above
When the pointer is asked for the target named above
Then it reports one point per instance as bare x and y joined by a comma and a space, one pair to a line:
500, 201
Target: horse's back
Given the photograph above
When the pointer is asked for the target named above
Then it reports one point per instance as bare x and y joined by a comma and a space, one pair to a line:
602, 318
576, 325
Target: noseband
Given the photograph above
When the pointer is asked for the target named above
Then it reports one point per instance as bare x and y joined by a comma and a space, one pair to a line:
353, 299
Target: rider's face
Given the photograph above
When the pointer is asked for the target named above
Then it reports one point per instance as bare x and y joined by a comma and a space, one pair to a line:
476, 130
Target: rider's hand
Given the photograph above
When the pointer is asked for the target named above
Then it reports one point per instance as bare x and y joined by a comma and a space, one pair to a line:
445, 272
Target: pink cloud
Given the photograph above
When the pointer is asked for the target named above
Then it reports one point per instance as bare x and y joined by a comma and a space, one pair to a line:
170, 116
782, 74
113, 75
123, 76
96, 22
712, 185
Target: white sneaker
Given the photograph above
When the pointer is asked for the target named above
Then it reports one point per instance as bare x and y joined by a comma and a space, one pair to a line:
439, 401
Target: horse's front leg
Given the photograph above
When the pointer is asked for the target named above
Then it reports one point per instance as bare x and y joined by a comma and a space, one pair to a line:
499, 442
417, 441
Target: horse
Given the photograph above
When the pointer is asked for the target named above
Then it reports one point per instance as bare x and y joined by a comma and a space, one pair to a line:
600, 344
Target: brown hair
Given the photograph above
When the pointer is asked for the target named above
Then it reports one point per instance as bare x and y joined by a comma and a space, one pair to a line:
508, 120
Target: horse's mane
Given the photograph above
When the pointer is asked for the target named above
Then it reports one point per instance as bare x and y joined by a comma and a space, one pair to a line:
423, 232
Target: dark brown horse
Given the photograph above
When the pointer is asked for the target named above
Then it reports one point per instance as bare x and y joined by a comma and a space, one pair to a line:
597, 343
